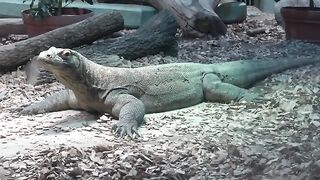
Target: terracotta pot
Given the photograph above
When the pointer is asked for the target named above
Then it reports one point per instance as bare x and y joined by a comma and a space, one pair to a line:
302, 23
69, 16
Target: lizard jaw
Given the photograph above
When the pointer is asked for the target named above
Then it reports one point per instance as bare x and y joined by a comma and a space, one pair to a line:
49, 59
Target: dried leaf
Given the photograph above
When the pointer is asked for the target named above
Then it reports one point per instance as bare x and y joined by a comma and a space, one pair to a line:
288, 106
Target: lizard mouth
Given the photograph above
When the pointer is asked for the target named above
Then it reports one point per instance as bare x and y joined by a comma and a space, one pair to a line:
50, 64
56, 59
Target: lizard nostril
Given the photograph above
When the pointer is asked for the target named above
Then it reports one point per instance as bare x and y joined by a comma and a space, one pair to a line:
48, 55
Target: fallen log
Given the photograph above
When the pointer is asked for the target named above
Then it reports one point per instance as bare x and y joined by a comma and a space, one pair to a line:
195, 17
74, 35
155, 36
11, 26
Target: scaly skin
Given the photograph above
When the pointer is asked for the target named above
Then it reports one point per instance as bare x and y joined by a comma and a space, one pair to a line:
129, 93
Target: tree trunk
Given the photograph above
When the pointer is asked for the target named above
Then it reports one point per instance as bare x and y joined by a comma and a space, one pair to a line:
87, 31
195, 17
11, 26
156, 35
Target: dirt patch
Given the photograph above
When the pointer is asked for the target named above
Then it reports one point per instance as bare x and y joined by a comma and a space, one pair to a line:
276, 139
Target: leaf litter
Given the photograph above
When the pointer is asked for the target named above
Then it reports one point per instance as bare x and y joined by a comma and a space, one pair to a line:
276, 139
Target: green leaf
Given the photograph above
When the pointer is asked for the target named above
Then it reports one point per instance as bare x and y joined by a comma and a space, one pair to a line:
31, 4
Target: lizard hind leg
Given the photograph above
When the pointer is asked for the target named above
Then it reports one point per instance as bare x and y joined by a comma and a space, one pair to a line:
217, 91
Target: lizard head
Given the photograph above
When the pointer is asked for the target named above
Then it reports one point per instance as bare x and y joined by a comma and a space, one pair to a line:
55, 59
65, 64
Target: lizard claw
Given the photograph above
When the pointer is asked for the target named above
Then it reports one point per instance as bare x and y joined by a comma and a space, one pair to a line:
31, 109
26, 111
135, 130
251, 97
15, 110
22, 110
122, 129
123, 133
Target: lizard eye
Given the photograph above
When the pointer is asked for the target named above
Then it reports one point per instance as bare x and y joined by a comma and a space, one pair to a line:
66, 53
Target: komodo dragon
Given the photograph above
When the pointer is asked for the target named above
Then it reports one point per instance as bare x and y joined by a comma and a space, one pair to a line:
129, 93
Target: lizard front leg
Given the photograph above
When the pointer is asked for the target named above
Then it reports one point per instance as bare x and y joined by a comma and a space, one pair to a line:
217, 91
130, 111
58, 101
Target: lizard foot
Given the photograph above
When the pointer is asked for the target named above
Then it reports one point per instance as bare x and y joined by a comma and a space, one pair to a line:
252, 97
126, 128
31, 110
22, 110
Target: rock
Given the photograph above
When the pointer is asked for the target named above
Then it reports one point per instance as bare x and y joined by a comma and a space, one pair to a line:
3, 95
4, 173
65, 129
18, 165
99, 121
105, 118
102, 174
75, 172
2, 136
316, 123
288, 106
87, 128
73, 152
118, 152
174, 158
126, 165
29, 162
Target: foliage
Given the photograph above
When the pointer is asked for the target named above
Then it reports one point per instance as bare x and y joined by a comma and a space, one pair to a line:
46, 8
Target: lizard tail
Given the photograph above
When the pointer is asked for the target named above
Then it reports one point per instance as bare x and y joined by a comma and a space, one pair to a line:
247, 72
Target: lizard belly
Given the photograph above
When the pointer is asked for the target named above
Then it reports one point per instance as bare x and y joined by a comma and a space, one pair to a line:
91, 103
190, 96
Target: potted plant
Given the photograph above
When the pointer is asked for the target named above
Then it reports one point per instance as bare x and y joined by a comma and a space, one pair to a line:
302, 23
51, 14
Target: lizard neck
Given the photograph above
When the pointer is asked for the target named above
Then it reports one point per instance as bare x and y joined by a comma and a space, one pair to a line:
79, 78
